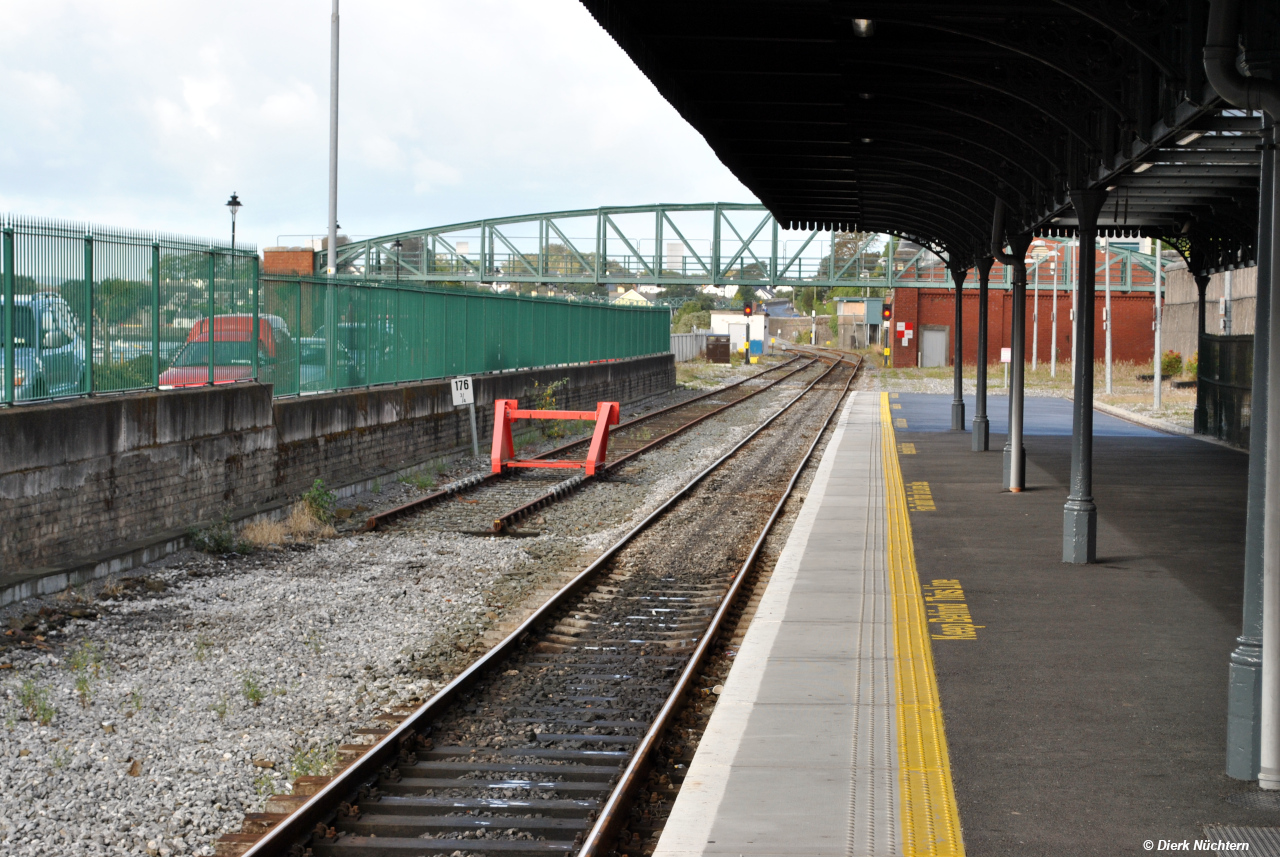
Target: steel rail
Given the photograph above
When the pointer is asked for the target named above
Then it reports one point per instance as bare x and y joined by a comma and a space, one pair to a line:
613, 813
476, 481
564, 489
319, 810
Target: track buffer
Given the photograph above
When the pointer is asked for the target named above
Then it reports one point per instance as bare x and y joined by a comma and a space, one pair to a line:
506, 412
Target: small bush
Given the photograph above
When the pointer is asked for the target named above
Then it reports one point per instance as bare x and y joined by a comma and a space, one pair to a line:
220, 538
1193, 365
320, 502
1171, 364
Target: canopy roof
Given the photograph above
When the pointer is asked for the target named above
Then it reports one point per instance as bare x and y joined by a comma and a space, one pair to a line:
914, 117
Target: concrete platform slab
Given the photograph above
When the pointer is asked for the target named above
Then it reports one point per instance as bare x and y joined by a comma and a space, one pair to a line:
1084, 706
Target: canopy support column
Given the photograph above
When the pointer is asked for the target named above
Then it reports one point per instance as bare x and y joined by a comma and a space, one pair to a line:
1080, 515
1200, 416
1244, 694
981, 425
957, 335
1015, 451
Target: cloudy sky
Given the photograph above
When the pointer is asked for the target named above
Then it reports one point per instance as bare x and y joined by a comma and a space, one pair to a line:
149, 113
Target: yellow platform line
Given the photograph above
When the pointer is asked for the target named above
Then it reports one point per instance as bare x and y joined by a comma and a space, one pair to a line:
930, 817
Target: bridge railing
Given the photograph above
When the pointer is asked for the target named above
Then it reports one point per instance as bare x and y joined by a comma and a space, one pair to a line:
87, 310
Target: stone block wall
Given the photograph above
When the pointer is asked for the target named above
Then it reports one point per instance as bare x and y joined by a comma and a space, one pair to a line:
79, 479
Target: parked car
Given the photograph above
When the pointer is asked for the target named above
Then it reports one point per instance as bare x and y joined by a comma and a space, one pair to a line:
48, 350
233, 347
313, 375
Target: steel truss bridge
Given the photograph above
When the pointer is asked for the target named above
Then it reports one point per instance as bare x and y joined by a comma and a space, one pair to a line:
701, 244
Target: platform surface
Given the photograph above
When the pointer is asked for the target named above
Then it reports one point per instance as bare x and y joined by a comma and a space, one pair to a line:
1084, 707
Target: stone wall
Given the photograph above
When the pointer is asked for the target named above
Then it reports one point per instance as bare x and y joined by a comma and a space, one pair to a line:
1182, 308
81, 479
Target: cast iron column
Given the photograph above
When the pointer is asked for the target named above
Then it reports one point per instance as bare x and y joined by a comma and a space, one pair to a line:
1015, 452
1080, 515
957, 398
1200, 417
981, 425
1244, 695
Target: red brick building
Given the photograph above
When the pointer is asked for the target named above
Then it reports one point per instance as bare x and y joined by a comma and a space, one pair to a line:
931, 312
291, 261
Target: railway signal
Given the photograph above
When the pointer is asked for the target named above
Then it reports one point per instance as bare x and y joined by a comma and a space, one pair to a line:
887, 312
747, 309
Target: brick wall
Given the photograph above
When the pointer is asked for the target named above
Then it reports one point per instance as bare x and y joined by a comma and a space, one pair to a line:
290, 261
1132, 336
83, 478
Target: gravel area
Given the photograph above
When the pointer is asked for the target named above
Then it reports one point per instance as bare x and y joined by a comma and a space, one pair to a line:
147, 713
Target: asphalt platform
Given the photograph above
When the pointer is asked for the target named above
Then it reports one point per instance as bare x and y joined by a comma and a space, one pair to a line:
1088, 713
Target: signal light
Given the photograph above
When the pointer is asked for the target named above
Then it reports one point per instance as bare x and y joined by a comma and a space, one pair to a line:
887, 312
746, 310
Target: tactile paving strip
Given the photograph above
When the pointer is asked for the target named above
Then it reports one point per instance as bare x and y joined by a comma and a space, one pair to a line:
874, 819
930, 817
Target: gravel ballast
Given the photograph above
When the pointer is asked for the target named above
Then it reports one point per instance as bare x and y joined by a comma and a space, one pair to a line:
178, 698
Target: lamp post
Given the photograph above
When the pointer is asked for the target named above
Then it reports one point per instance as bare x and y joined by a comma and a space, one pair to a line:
398, 245
233, 205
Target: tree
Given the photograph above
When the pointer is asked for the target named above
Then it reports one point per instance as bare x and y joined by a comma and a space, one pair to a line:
846, 247
746, 294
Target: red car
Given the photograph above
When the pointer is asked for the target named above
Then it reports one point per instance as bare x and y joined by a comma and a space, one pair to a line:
232, 351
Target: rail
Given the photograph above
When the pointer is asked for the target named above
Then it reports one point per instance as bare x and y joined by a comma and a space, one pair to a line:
341, 794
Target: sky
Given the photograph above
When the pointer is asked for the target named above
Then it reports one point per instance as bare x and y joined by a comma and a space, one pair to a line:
147, 114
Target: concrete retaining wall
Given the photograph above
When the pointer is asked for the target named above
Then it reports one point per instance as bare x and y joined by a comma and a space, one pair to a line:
86, 480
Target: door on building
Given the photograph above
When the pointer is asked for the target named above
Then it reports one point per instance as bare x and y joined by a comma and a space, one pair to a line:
933, 346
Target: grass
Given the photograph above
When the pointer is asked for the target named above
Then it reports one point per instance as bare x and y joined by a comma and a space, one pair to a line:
302, 523
265, 785
252, 691
202, 649
421, 481
220, 708
265, 533
34, 699
86, 663
314, 762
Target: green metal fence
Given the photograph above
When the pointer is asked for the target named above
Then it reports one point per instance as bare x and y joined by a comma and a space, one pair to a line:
88, 310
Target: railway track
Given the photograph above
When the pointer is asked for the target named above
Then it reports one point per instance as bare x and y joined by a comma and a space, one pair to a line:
540, 746
495, 503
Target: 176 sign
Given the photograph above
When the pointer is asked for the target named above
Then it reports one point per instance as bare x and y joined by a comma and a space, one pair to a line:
462, 392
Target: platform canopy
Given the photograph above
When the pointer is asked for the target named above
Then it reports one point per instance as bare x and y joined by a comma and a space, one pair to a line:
914, 117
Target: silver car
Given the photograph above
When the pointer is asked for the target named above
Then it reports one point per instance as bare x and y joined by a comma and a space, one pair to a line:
48, 351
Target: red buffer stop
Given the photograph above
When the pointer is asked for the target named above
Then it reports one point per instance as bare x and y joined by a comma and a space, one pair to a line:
506, 412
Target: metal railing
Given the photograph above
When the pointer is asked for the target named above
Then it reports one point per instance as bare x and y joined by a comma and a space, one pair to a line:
720, 244
88, 309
